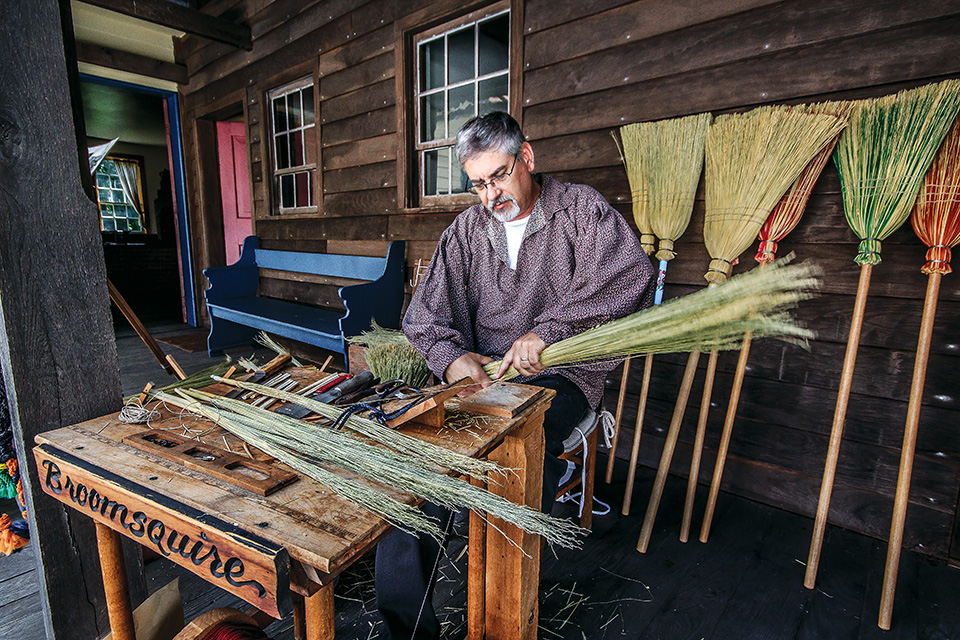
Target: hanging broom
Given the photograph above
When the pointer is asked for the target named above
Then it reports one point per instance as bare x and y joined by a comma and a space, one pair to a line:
751, 160
882, 158
936, 219
784, 218
635, 155
672, 173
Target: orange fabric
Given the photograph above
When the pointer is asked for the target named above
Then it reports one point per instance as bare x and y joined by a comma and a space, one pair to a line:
9, 541
12, 467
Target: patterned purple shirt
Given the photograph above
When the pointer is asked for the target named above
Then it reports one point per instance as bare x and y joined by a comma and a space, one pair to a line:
579, 265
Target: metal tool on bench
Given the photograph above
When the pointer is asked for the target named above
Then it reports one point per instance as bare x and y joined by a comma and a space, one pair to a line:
341, 388
268, 369
389, 390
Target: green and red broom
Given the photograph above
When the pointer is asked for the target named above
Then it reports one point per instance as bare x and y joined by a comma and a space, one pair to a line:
936, 220
882, 158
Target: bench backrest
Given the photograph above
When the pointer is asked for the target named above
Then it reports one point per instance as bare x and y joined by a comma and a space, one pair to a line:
322, 264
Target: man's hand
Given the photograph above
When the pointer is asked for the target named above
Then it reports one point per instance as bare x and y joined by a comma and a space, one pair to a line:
469, 364
524, 355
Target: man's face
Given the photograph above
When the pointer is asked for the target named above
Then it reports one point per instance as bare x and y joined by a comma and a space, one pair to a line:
509, 193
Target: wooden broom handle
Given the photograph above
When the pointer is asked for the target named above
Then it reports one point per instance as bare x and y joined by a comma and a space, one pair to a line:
637, 430
119, 610
612, 455
725, 436
836, 431
667, 456
698, 446
906, 452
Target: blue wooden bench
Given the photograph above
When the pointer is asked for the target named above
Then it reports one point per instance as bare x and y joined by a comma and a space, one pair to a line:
237, 313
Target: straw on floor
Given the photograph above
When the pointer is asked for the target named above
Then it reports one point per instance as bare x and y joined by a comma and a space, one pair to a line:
882, 158
936, 220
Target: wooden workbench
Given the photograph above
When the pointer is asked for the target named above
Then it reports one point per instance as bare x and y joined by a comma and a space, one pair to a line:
299, 538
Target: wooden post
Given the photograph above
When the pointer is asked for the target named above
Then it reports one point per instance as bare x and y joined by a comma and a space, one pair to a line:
836, 431
57, 349
319, 614
115, 584
637, 431
476, 572
667, 456
725, 436
694, 477
906, 452
612, 456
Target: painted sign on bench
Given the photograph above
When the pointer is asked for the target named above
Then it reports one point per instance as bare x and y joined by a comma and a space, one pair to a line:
252, 568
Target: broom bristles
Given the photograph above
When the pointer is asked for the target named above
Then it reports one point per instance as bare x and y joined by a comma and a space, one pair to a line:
788, 212
884, 154
634, 152
751, 160
936, 217
673, 171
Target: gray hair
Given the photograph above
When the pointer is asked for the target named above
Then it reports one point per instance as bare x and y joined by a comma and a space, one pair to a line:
495, 131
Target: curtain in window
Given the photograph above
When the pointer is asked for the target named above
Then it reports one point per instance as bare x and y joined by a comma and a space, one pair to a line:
128, 180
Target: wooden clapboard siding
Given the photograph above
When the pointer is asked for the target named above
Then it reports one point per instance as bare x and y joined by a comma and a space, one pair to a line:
590, 66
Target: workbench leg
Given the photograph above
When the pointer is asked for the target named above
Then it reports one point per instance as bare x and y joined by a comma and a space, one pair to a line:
513, 566
319, 614
115, 583
476, 572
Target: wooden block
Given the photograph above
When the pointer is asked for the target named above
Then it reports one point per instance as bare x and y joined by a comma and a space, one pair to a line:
504, 400
259, 477
428, 411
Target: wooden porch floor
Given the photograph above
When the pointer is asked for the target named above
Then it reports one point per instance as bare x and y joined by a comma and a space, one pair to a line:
745, 583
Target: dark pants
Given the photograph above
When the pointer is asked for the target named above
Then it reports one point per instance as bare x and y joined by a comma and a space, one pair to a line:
405, 562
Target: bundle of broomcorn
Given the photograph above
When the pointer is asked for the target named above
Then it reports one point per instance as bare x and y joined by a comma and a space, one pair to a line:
311, 448
635, 153
390, 356
711, 319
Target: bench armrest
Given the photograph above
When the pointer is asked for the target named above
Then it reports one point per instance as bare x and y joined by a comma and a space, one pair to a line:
238, 280
381, 299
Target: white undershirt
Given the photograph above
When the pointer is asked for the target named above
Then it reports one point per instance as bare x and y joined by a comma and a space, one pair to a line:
514, 230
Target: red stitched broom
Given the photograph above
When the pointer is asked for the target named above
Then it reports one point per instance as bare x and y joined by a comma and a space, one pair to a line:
936, 219
784, 219
882, 158
751, 161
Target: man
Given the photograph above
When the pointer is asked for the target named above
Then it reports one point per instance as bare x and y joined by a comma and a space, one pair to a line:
535, 262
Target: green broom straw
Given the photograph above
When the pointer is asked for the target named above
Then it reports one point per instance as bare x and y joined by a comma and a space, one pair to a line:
882, 158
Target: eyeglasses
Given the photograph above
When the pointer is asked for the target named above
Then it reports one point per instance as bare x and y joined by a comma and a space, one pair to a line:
477, 188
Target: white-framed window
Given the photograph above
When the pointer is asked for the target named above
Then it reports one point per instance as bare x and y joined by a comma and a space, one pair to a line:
117, 212
462, 69
294, 146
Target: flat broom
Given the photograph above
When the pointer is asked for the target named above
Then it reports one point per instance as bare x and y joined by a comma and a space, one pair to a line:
882, 158
672, 174
936, 220
784, 219
635, 154
751, 161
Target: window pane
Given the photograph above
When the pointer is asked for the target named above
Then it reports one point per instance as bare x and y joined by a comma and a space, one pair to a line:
103, 180
303, 189
296, 150
460, 180
493, 95
307, 94
430, 159
460, 46
461, 107
104, 195
431, 118
115, 183
121, 224
286, 191
108, 224
431, 65
293, 109
283, 153
494, 44
279, 114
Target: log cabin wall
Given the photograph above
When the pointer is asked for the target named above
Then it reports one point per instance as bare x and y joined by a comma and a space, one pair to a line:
589, 66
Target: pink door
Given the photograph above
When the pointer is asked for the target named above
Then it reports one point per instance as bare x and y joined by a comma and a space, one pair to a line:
234, 187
